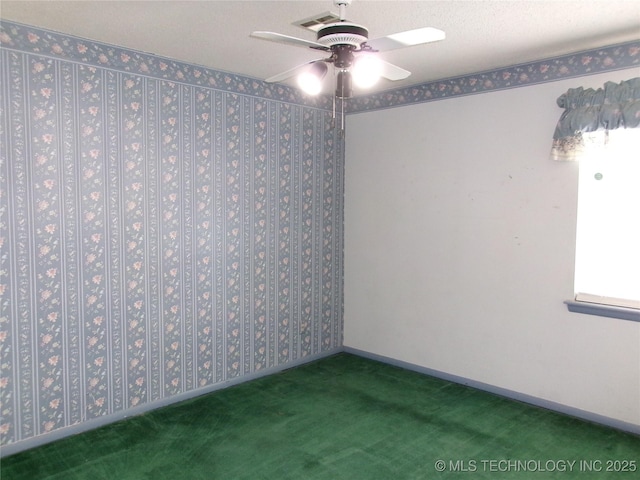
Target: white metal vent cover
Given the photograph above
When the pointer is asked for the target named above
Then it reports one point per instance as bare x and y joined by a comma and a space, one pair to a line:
316, 22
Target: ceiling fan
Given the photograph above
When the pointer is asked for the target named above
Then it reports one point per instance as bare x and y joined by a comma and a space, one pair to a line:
351, 52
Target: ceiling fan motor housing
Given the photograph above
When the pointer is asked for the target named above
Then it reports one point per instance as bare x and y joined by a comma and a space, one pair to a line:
343, 33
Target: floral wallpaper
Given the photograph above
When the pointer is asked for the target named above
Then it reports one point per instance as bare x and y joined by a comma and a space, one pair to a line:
589, 62
164, 228
66, 47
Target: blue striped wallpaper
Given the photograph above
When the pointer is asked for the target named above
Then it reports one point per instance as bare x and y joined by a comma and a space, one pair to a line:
159, 236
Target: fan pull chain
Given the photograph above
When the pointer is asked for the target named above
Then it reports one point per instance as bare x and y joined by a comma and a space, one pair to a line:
334, 109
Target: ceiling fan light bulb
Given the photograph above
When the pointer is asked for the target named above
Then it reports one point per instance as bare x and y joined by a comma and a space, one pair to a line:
367, 71
309, 83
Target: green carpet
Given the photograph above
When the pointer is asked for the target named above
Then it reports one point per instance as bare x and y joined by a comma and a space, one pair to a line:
343, 417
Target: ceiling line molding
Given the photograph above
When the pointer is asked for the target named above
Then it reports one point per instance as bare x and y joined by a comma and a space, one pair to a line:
609, 58
60, 46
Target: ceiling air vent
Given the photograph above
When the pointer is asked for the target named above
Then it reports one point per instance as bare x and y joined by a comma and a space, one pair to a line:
318, 21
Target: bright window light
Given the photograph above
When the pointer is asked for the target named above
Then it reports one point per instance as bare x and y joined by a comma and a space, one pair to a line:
608, 229
366, 71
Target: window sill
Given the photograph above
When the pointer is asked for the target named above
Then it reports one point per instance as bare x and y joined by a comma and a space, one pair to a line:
611, 311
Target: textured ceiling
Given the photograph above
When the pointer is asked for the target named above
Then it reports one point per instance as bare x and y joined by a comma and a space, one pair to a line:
481, 34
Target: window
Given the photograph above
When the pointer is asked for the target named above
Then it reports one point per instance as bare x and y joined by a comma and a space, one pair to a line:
601, 129
607, 274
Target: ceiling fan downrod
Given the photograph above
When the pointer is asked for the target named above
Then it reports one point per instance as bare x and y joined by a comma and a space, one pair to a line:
342, 6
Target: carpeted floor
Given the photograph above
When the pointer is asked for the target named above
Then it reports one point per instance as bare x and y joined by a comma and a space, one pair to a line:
342, 417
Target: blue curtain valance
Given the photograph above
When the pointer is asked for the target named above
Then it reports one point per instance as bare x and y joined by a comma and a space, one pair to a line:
616, 105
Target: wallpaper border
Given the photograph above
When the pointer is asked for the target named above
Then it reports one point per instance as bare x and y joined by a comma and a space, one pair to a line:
587, 62
35, 40
62, 46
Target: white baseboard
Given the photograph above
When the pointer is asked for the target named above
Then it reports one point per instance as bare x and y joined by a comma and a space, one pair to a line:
59, 434
94, 423
503, 392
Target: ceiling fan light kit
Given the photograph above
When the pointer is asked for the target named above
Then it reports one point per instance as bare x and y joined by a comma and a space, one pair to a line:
310, 79
351, 52
367, 70
344, 85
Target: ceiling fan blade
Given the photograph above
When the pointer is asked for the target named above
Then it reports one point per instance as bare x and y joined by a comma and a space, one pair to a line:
280, 38
406, 39
393, 72
289, 73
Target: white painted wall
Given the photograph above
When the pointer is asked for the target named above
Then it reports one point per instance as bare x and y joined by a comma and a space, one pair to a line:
460, 244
